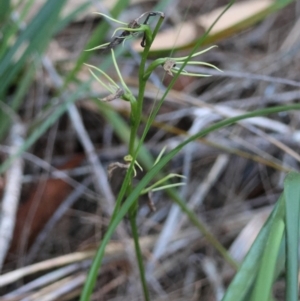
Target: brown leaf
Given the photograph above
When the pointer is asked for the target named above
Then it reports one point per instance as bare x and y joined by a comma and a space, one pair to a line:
54, 193
187, 32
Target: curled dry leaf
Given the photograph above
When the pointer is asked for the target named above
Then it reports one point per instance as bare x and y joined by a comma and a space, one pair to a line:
115, 166
116, 174
168, 65
150, 202
53, 194
119, 93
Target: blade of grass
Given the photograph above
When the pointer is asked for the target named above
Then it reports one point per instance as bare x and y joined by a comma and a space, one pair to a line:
239, 289
240, 286
28, 76
10, 29
4, 10
22, 89
292, 207
32, 40
264, 280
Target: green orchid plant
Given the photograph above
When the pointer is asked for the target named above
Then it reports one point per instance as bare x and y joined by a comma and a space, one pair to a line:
173, 67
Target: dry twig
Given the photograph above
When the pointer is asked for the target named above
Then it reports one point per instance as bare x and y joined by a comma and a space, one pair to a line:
12, 191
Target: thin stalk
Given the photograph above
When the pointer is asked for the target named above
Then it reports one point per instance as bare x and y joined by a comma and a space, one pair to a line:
139, 257
136, 117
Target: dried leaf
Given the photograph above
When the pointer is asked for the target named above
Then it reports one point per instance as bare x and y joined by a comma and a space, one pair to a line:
114, 96
53, 194
168, 65
150, 202
116, 174
186, 33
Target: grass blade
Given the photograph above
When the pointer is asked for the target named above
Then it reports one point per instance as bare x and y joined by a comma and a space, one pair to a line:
33, 39
292, 207
240, 286
264, 281
4, 10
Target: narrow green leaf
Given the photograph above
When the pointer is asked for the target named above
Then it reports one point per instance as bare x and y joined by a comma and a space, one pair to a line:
243, 281
4, 10
292, 211
17, 99
264, 281
32, 40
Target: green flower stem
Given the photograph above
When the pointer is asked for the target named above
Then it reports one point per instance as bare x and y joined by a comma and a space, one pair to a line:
157, 27
136, 116
150, 36
139, 256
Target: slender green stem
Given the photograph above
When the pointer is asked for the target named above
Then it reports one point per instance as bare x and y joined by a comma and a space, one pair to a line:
136, 120
139, 256
136, 117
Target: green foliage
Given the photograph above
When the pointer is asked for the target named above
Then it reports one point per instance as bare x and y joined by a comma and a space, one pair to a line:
21, 50
291, 220
31, 42
257, 274
4, 10
260, 268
